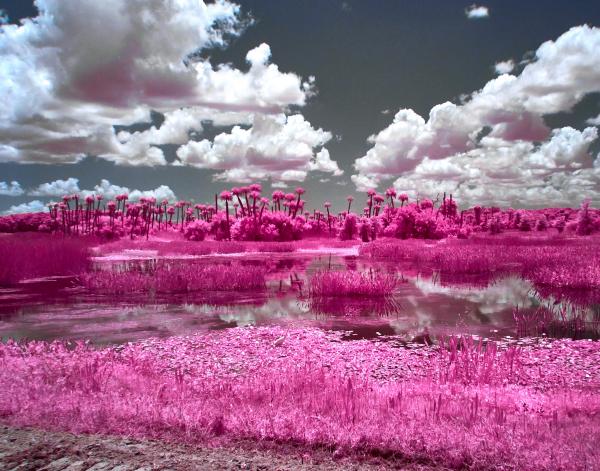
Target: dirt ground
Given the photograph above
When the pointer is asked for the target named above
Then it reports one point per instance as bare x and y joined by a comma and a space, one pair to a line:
32, 449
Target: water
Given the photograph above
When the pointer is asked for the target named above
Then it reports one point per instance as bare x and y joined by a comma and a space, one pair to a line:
424, 307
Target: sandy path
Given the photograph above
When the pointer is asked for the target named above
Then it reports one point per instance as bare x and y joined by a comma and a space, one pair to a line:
32, 449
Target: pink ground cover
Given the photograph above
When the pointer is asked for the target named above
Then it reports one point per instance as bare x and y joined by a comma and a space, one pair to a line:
461, 405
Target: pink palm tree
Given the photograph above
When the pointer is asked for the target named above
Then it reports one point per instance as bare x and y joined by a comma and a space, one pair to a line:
227, 196
371, 194
350, 199
290, 197
277, 196
327, 205
299, 191
237, 192
391, 194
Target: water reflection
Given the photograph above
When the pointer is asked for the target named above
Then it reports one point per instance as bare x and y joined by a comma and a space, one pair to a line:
425, 307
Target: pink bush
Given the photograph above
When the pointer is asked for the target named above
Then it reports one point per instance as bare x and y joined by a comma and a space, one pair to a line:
349, 229
196, 230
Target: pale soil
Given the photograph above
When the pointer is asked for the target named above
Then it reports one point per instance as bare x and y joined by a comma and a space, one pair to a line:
32, 449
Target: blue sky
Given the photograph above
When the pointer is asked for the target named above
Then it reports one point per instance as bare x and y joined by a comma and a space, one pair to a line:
336, 96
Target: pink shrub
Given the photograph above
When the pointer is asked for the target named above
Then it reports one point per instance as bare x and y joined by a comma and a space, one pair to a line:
349, 229
196, 230
28, 222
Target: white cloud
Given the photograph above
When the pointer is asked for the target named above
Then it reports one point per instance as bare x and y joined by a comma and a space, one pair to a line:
323, 163
11, 189
57, 188
504, 67
364, 182
82, 66
278, 147
477, 11
35, 206
110, 191
511, 110
594, 121
559, 172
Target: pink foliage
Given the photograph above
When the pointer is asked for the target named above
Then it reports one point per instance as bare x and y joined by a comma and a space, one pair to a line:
196, 230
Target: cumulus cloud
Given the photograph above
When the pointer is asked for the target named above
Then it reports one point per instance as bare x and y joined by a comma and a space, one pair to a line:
11, 189
364, 182
504, 67
518, 174
81, 67
280, 147
594, 121
110, 191
477, 12
59, 188
499, 128
35, 206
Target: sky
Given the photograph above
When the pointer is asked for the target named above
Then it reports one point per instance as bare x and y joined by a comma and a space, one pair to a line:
497, 103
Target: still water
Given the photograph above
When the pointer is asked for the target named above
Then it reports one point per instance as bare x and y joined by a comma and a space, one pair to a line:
424, 306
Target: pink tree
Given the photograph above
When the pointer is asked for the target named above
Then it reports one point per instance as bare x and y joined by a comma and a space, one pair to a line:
349, 199
390, 193
227, 196
327, 206
299, 191
371, 194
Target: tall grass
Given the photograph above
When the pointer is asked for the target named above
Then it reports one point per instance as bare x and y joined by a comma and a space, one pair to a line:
552, 263
177, 278
352, 283
33, 255
557, 321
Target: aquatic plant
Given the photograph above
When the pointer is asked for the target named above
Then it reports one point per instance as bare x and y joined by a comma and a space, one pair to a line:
352, 283
546, 262
170, 277
565, 320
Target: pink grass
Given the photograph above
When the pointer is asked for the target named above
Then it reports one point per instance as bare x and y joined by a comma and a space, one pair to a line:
178, 278
467, 406
555, 263
32, 256
352, 283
